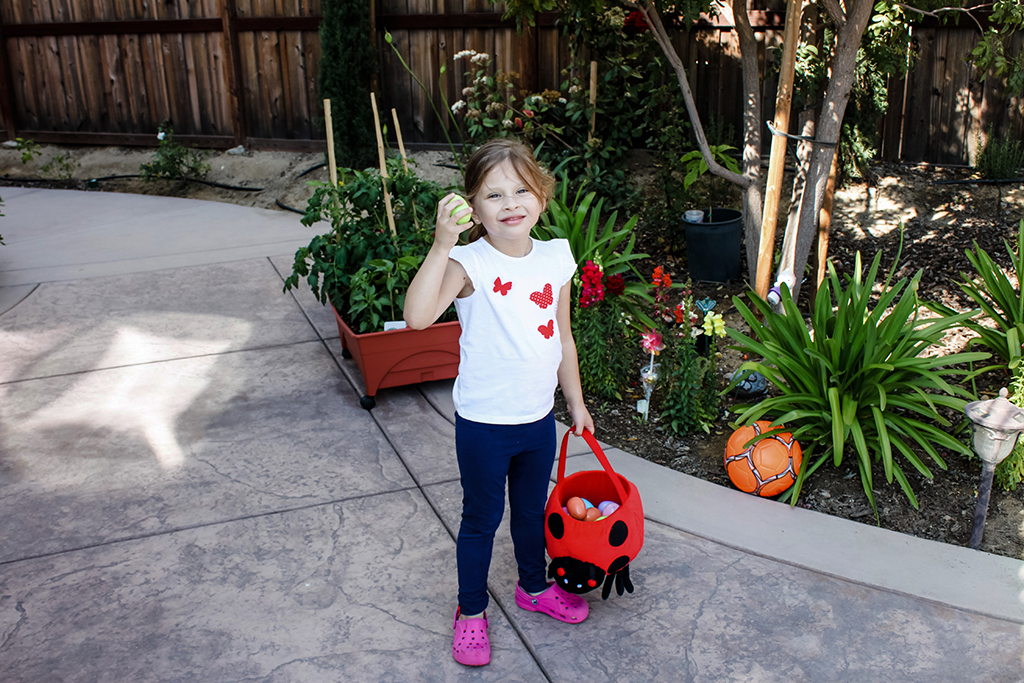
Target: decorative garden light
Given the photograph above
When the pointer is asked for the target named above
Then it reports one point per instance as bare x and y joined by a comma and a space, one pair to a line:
997, 424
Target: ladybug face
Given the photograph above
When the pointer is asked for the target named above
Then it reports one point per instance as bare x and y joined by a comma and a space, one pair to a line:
575, 576
602, 545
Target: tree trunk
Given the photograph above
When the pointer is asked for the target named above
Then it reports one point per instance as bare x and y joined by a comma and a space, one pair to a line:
752, 194
829, 126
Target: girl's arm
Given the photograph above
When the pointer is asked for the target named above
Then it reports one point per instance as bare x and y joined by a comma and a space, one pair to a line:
439, 279
569, 369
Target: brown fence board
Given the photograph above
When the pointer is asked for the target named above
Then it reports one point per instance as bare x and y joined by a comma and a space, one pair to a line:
114, 69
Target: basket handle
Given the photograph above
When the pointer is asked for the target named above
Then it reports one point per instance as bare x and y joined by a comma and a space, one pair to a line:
602, 458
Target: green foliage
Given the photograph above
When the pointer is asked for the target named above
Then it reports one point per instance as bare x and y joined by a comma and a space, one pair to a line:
999, 300
172, 161
991, 56
580, 224
690, 399
28, 148
857, 375
696, 166
60, 167
359, 266
603, 335
347, 62
1010, 472
606, 306
999, 158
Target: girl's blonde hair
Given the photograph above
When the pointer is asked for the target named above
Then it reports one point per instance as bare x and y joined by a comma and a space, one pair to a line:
494, 153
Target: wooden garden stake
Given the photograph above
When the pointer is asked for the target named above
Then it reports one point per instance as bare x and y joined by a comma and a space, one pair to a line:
405, 160
398, 133
825, 221
383, 166
593, 102
593, 98
331, 165
777, 162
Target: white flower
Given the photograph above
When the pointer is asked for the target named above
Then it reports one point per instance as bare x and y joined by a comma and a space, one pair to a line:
480, 58
160, 135
458, 106
696, 332
574, 89
464, 53
508, 123
561, 100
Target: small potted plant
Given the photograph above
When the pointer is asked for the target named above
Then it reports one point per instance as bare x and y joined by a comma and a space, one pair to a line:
362, 269
713, 236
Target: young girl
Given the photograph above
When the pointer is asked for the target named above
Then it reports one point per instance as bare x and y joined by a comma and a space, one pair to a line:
512, 296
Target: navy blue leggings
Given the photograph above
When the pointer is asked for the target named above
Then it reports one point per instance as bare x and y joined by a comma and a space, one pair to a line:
488, 455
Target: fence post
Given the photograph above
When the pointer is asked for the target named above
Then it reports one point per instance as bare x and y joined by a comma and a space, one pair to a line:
6, 91
233, 71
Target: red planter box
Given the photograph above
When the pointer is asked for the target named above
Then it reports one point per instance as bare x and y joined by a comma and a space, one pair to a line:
400, 357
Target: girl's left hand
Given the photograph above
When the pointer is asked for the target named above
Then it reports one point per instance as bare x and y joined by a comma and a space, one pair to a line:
581, 419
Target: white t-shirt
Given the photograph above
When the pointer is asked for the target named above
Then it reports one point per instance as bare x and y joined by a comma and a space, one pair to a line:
510, 345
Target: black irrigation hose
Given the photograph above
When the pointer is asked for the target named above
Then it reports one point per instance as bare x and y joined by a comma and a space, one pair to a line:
310, 170
190, 180
288, 208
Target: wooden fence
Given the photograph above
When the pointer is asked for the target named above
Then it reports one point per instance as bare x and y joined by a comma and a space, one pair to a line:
228, 72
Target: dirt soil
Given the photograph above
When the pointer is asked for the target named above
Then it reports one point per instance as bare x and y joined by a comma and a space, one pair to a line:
941, 221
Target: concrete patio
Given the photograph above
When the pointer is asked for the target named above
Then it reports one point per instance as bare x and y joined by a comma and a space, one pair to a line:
191, 492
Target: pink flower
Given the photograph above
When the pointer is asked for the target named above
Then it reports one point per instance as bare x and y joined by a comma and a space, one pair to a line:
652, 341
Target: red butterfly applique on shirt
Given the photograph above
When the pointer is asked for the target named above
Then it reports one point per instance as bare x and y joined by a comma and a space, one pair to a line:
547, 330
543, 298
499, 286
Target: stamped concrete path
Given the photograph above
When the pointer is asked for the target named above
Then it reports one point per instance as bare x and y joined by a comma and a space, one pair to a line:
189, 491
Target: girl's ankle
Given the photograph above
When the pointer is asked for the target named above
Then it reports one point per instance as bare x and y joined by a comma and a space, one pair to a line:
471, 616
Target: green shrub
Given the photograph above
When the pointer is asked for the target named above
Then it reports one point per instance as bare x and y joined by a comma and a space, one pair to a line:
347, 62
172, 161
359, 265
999, 158
857, 375
1010, 472
999, 300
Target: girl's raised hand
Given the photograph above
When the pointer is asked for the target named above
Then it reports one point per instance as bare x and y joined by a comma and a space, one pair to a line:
450, 210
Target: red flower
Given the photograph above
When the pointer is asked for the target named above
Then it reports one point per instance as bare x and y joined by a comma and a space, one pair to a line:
528, 113
615, 285
636, 19
519, 122
593, 290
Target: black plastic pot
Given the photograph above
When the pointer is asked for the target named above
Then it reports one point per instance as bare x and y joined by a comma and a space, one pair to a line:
713, 247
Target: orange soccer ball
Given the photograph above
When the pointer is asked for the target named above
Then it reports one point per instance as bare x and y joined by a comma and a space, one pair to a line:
768, 467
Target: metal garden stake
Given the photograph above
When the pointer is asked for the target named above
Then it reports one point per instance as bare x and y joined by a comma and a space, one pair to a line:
997, 424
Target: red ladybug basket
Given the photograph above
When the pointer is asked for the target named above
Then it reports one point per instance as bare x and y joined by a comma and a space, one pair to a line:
585, 554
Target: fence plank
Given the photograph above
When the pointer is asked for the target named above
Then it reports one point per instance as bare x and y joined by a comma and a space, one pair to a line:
63, 79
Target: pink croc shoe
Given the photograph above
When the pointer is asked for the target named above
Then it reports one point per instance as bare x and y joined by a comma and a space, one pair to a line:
470, 646
554, 602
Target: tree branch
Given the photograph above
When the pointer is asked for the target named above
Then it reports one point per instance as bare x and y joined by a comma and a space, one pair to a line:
835, 11
969, 11
653, 19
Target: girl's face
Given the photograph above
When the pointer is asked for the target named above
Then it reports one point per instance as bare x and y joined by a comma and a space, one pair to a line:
507, 209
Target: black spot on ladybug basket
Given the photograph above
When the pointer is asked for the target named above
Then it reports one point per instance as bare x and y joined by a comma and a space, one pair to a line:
585, 554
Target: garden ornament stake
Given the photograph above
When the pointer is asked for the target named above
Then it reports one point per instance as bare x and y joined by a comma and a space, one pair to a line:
997, 423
